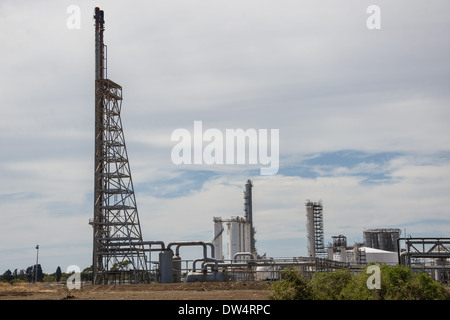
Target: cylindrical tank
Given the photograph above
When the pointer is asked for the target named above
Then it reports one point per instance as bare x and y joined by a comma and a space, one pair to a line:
218, 231
310, 229
239, 237
217, 276
176, 260
166, 266
395, 237
367, 239
234, 239
383, 239
246, 235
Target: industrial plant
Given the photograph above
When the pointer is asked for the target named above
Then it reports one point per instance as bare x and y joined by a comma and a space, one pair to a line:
120, 253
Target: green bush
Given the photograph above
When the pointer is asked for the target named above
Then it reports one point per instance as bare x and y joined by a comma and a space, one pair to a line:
397, 283
430, 289
400, 283
329, 285
293, 286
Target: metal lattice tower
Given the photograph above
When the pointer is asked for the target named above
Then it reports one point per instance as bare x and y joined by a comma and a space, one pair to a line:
118, 251
248, 209
314, 226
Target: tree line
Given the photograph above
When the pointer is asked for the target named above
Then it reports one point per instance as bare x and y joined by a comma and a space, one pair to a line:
397, 283
33, 273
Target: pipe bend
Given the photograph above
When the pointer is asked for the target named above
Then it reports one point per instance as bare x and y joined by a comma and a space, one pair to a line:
179, 244
206, 260
249, 254
150, 243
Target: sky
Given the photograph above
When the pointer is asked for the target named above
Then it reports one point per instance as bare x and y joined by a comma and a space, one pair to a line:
363, 118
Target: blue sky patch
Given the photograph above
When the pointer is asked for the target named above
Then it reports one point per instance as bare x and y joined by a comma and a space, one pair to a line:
372, 166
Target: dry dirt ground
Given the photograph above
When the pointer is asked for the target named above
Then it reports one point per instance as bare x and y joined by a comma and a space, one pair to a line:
172, 291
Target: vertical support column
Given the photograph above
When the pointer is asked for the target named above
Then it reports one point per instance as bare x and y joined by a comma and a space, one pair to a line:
217, 241
248, 208
99, 154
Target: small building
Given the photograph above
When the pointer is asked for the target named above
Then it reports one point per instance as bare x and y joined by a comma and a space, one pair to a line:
380, 256
369, 255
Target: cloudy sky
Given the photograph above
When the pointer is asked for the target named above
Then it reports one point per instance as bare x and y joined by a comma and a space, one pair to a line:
363, 117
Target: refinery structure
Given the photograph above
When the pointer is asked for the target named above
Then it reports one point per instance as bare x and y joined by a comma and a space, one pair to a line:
120, 253
240, 230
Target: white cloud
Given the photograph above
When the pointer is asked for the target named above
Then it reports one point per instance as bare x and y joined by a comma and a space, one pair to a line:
314, 71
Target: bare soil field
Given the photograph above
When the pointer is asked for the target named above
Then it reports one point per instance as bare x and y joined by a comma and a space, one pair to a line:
172, 291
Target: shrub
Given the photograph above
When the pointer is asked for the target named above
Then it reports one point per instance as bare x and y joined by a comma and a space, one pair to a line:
293, 286
400, 283
397, 283
329, 285
356, 288
423, 287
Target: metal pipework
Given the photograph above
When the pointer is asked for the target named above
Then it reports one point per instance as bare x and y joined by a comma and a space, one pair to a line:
212, 260
99, 17
150, 243
192, 243
269, 262
234, 262
138, 243
430, 248
248, 254
217, 264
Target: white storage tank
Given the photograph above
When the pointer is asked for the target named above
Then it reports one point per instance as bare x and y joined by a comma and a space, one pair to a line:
246, 245
217, 241
239, 236
234, 238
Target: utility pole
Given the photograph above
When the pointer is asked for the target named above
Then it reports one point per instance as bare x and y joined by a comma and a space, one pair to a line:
37, 262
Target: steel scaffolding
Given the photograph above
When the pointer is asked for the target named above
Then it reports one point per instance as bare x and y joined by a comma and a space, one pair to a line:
430, 255
118, 250
314, 226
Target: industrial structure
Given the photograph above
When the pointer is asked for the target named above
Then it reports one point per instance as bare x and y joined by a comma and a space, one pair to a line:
380, 245
383, 239
240, 230
314, 229
248, 208
426, 254
358, 255
117, 237
120, 253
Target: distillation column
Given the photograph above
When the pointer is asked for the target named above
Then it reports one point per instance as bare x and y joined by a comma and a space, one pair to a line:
314, 229
248, 208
